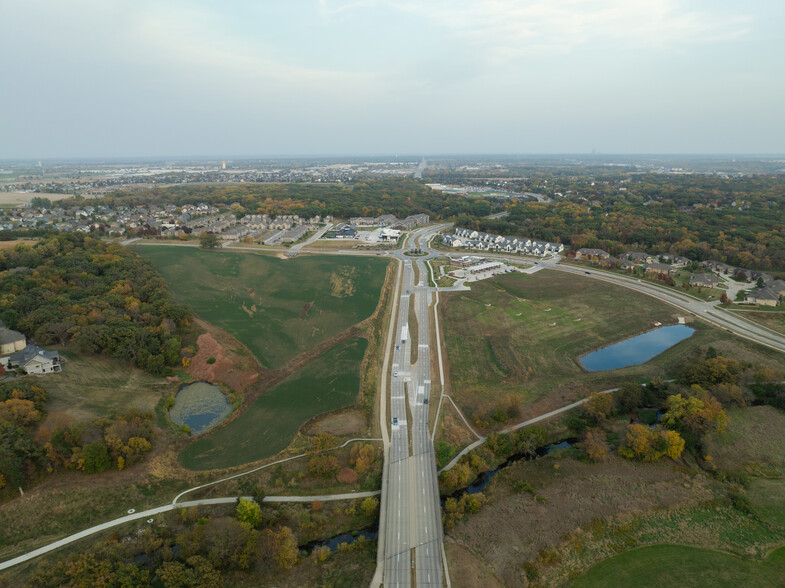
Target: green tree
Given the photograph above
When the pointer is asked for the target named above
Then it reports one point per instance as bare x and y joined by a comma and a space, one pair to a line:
208, 241
248, 512
96, 458
369, 506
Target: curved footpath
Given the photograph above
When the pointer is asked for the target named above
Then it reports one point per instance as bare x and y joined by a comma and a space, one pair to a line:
169, 507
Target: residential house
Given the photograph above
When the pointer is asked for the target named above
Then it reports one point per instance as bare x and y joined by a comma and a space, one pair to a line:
704, 280
764, 297
11, 341
34, 360
659, 268
591, 254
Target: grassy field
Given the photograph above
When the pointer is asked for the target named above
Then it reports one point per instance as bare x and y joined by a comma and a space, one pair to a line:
753, 442
269, 424
91, 386
12, 244
773, 320
676, 565
521, 334
278, 308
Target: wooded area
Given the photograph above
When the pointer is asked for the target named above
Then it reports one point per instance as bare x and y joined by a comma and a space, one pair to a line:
96, 294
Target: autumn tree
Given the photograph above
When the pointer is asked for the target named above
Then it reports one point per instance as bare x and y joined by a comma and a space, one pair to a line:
693, 415
19, 411
599, 406
595, 446
645, 444
279, 547
323, 441
323, 465
362, 456
196, 572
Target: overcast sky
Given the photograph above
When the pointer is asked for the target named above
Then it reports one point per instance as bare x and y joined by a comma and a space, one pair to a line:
114, 78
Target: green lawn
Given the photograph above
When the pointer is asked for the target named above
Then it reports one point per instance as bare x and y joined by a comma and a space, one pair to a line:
522, 334
278, 308
674, 565
269, 424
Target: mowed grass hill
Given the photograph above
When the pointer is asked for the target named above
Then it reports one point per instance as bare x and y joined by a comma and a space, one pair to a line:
278, 308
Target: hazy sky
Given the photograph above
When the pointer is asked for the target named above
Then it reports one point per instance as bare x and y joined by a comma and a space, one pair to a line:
113, 78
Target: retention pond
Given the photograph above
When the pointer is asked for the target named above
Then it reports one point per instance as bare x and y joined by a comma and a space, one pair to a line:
200, 406
635, 350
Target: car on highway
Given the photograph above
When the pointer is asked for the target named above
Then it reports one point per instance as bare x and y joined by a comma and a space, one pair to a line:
425, 401
395, 374
588, 273
395, 420
397, 346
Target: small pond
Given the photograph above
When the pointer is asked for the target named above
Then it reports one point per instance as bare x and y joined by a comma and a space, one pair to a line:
201, 406
635, 350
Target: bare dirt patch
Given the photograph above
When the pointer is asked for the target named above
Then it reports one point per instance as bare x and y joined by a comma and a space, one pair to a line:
345, 423
308, 306
234, 365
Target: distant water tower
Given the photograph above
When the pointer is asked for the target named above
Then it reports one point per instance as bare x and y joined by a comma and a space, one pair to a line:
223, 165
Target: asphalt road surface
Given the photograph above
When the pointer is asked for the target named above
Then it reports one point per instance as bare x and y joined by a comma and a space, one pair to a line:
412, 528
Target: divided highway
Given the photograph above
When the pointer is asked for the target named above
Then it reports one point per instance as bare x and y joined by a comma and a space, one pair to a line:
413, 529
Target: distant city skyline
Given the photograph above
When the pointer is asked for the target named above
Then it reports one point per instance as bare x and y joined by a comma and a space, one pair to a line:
202, 79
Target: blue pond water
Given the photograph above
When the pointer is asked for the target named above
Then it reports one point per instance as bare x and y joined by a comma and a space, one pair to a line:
201, 406
635, 350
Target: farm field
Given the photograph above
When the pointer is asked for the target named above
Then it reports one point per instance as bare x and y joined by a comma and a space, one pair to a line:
677, 565
92, 386
267, 426
277, 308
521, 335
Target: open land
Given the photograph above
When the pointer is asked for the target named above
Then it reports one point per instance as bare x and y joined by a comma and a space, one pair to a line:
14, 243
576, 515
92, 386
19, 198
277, 308
268, 425
672, 565
774, 320
521, 335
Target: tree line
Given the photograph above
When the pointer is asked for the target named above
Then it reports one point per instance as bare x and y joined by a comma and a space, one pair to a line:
399, 196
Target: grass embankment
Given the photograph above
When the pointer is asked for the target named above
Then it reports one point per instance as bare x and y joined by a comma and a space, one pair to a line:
268, 425
414, 331
676, 565
520, 334
277, 308
773, 319
74, 502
